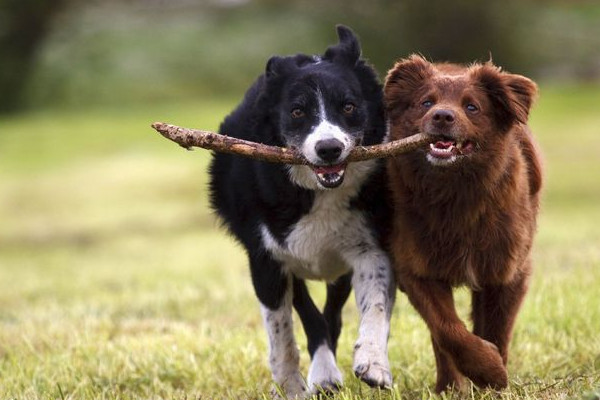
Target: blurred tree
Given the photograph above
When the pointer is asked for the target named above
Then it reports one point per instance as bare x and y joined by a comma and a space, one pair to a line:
461, 30
99, 51
441, 30
23, 26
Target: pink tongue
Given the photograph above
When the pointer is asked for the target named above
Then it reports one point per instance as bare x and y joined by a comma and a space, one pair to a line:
333, 169
443, 145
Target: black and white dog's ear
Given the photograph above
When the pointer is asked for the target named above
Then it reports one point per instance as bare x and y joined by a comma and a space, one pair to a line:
278, 66
348, 48
274, 66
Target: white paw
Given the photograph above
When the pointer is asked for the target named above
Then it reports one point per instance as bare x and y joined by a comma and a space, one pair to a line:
371, 365
293, 387
323, 374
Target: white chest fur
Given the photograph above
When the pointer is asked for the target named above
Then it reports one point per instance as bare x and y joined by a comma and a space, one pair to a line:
318, 245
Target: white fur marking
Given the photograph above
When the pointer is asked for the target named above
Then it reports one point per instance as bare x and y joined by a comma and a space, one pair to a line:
323, 131
314, 246
323, 371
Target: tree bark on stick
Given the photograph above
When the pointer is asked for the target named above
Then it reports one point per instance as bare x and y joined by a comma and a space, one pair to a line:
189, 138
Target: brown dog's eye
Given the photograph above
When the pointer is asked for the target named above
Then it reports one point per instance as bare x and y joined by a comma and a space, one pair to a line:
297, 113
348, 108
472, 108
427, 103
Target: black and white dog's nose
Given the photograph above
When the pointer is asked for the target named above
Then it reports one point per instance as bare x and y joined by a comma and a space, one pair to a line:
329, 150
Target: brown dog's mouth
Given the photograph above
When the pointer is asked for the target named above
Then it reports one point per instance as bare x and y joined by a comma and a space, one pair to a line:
330, 176
447, 150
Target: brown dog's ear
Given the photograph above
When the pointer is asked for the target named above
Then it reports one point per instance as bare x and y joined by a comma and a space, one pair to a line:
525, 91
511, 95
403, 79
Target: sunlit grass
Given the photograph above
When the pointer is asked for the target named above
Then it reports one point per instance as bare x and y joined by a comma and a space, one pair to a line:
117, 283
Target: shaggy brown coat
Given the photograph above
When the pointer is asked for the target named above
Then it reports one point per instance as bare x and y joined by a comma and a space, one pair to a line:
465, 209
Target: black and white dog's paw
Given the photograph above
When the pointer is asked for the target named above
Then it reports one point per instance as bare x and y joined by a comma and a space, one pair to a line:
293, 387
323, 374
371, 365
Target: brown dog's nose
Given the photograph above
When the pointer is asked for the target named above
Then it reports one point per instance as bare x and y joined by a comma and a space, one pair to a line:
443, 118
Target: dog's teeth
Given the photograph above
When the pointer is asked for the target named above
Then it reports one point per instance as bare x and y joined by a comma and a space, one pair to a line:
441, 150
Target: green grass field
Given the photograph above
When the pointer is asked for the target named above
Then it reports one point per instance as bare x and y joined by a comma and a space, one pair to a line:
117, 283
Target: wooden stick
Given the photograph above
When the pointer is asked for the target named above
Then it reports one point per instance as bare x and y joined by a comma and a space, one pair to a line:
189, 138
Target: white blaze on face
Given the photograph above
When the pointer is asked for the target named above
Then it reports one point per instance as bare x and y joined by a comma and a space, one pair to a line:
323, 174
323, 131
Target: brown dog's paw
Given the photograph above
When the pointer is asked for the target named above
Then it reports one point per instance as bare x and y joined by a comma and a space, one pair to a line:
483, 364
453, 386
492, 376
449, 381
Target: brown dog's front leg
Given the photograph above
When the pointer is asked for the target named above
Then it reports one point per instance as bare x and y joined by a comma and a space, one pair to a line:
476, 358
495, 309
448, 376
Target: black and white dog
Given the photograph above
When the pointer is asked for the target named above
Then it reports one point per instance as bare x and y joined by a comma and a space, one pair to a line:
321, 221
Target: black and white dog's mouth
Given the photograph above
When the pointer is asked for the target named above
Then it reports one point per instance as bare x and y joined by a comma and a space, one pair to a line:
330, 176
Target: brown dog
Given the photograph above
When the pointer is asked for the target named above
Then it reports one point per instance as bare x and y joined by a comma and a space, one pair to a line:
465, 208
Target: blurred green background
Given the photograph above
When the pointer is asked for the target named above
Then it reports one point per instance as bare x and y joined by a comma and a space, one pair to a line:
115, 279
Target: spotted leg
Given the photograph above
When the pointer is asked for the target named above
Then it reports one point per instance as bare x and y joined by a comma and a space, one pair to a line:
274, 291
375, 290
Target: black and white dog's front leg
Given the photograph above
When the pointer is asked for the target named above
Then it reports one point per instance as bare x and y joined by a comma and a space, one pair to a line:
375, 291
322, 332
274, 290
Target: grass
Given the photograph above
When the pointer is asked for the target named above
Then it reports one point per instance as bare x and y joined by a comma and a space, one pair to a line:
116, 282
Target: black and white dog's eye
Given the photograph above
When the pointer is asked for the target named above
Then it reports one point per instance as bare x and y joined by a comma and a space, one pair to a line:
348, 108
297, 113
472, 107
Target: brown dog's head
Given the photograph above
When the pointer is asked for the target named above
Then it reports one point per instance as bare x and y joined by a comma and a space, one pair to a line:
468, 111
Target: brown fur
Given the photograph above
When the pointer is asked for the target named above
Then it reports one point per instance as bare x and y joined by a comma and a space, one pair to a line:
470, 222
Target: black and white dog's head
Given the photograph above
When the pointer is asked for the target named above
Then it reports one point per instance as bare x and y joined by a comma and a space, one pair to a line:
325, 106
